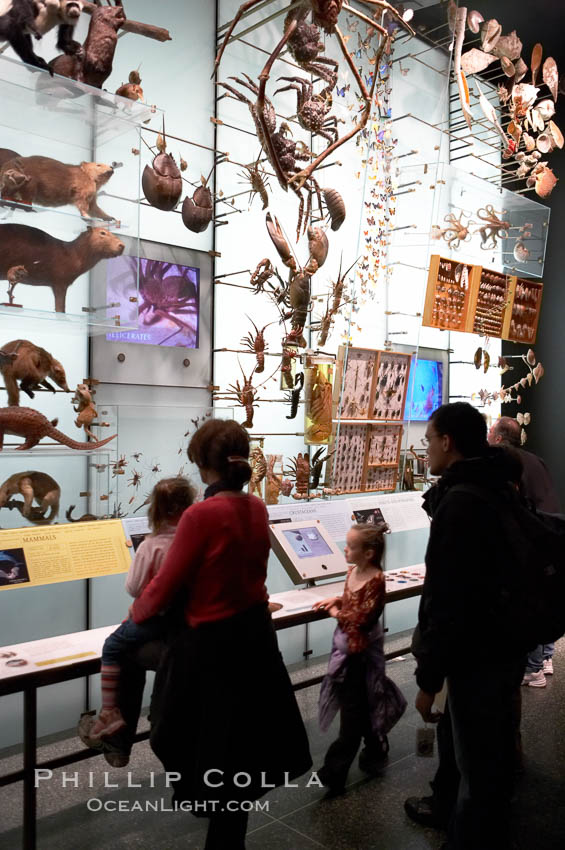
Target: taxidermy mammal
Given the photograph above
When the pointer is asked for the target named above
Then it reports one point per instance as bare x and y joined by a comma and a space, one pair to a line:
53, 262
93, 65
31, 365
51, 183
87, 413
32, 485
64, 14
17, 21
6, 154
33, 425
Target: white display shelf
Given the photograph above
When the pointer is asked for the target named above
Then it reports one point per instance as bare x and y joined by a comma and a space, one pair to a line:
97, 322
65, 108
54, 450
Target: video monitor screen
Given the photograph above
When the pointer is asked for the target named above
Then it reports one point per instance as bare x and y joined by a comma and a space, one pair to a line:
168, 307
425, 389
307, 542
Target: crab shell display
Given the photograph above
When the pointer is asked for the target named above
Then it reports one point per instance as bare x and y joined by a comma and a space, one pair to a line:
197, 211
162, 182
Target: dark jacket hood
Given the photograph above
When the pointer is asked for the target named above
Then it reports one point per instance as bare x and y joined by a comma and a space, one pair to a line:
492, 471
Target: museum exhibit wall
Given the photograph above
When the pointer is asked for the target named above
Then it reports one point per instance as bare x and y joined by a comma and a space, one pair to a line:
153, 397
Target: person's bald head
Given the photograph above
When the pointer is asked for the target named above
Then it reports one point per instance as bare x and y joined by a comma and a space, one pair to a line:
505, 431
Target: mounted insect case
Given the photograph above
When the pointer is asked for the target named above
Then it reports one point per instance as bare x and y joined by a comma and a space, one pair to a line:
306, 550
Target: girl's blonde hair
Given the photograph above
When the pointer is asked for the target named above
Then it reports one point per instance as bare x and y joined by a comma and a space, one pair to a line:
372, 537
169, 499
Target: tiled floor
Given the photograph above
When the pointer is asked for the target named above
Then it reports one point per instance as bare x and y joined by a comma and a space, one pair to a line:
369, 817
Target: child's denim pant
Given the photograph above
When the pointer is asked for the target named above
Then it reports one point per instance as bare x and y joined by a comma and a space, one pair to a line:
129, 636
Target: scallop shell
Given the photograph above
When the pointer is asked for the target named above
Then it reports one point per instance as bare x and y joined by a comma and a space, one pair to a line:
474, 20
551, 76
545, 143
490, 33
521, 253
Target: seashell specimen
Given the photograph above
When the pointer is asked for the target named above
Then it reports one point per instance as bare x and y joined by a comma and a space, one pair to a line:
474, 20
520, 252
162, 182
474, 61
546, 109
556, 134
529, 142
545, 181
509, 46
507, 66
521, 69
523, 96
551, 76
490, 33
536, 120
537, 53
545, 143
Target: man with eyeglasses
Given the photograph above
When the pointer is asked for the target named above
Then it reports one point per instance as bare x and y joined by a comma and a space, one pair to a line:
458, 625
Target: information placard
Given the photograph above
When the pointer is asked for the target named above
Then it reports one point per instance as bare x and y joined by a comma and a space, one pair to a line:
35, 556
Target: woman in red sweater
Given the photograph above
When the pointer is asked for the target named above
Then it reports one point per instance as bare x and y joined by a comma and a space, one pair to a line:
223, 713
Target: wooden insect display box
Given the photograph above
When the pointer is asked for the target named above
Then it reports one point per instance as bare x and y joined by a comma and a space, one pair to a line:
391, 385
522, 317
449, 294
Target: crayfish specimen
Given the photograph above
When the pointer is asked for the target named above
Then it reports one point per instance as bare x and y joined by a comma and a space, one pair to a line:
257, 344
244, 395
334, 302
258, 470
257, 178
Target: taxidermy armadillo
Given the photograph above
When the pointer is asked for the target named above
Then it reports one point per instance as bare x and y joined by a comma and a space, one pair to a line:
29, 423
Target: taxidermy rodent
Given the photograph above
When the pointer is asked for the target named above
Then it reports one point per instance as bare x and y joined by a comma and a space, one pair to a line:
32, 485
31, 366
50, 183
93, 65
6, 154
54, 262
16, 24
64, 14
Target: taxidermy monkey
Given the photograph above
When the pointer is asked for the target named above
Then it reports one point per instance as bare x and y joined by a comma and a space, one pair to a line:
17, 21
32, 485
31, 366
63, 14
50, 183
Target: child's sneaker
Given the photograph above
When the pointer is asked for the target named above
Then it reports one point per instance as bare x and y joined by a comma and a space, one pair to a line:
548, 666
108, 722
534, 680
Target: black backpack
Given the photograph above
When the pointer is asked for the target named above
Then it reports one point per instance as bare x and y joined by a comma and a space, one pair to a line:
530, 594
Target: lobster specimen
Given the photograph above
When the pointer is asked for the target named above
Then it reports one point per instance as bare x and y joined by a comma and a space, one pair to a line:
273, 484
258, 470
244, 395
299, 470
257, 345
333, 304
257, 177
304, 43
296, 293
294, 395
282, 152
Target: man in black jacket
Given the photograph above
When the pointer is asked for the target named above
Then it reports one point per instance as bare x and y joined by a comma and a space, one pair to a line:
538, 489
459, 622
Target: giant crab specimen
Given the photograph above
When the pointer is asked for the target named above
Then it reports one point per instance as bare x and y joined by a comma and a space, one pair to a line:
163, 295
312, 109
303, 41
282, 152
494, 228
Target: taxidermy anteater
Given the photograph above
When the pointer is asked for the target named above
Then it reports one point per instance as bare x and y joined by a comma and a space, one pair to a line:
93, 64
16, 24
6, 155
33, 486
31, 365
53, 262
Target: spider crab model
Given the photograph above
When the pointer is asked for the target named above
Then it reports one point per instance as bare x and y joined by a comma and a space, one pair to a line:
304, 43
